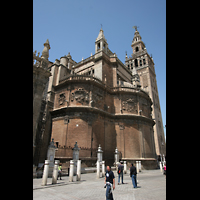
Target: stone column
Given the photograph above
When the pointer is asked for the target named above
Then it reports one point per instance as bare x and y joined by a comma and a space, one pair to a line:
99, 153
75, 156
55, 172
116, 156
71, 171
163, 158
137, 166
160, 166
103, 168
78, 176
140, 168
45, 172
51, 156
125, 167
98, 169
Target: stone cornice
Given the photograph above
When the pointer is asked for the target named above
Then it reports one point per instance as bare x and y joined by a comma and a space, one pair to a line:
61, 112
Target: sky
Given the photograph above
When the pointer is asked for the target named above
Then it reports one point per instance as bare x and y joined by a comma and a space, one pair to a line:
73, 26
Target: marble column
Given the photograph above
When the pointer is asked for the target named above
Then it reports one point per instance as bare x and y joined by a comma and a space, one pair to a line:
116, 156
137, 166
71, 171
78, 170
160, 166
103, 168
98, 169
55, 172
45, 172
125, 167
140, 168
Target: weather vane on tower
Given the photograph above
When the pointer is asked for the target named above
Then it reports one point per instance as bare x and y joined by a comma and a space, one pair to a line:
135, 27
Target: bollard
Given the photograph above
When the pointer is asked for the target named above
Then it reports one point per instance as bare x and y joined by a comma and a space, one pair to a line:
125, 167
71, 171
55, 172
140, 168
45, 172
78, 176
98, 169
161, 166
103, 168
137, 166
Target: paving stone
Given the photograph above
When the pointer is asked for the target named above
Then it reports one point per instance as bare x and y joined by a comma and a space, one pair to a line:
151, 186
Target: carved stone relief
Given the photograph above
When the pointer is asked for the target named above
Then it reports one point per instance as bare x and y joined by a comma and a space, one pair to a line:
61, 99
80, 95
130, 105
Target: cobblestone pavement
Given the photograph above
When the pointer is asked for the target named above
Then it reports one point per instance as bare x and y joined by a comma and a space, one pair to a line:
151, 185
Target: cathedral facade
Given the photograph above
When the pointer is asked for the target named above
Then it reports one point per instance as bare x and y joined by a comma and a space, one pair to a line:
100, 100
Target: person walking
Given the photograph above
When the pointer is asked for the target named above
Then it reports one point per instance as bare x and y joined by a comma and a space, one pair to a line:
109, 183
120, 172
164, 169
133, 175
59, 170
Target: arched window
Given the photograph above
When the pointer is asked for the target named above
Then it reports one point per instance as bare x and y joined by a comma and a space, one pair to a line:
136, 62
98, 46
136, 49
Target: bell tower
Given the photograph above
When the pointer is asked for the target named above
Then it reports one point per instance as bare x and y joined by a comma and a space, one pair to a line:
101, 43
142, 63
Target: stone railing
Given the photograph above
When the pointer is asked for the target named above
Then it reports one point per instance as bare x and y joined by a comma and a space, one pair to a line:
82, 77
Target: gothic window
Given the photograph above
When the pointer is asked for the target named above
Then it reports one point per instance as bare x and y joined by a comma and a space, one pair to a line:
140, 62
128, 67
136, 49
131, 65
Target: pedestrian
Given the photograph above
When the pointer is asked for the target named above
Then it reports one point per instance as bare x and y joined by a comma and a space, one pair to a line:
133, 175
164, 169
120, 172
59, 170
109, 183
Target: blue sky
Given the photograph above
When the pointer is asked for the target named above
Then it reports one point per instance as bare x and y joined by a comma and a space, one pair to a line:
73, 26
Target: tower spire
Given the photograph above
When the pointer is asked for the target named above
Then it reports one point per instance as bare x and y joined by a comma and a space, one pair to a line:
101, 42
45, 52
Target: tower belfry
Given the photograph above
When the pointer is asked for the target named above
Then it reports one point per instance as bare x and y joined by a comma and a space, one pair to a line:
141, 65
101, 42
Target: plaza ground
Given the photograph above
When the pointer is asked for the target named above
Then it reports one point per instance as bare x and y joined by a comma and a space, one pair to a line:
151, 185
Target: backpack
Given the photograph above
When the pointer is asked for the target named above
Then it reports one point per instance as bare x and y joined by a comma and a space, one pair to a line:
119, 170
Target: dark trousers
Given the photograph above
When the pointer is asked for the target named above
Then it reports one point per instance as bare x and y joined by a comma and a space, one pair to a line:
59, 174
